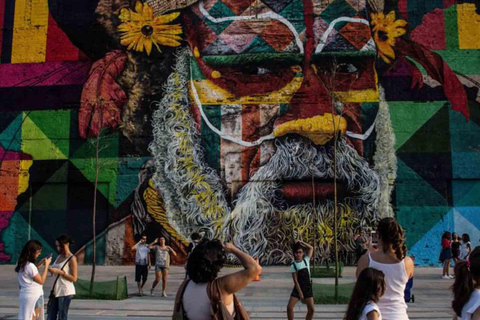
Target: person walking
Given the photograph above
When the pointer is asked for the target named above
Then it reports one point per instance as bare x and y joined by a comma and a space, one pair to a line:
202, 291
369, 288
465, 247
66, 269
391, 259
31, 281
446, 254
142, 263
455, 247
162, 263
466, 288
300, 269
360, 245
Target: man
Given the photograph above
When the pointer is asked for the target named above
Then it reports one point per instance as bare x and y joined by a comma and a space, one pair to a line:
272, 119
142, 262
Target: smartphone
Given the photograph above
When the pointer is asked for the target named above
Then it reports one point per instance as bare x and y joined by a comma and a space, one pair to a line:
373, 235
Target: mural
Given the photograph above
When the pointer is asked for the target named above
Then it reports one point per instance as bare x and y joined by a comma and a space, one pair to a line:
243, 120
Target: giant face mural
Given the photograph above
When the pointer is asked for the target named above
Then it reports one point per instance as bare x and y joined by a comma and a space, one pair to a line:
272, 111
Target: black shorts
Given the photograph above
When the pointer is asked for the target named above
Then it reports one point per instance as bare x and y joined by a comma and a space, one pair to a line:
306, 290
141, 272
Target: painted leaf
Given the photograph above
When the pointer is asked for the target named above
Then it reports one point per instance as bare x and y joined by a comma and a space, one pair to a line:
417, 78
102, 97
438, 70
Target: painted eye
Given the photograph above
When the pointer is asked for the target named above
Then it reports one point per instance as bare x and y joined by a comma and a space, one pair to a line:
346, 68
262, 71
256, 70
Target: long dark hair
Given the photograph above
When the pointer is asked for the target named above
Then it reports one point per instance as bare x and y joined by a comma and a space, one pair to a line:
465, 273
391, 233
465, 238
447, 235
370, 286
205, 261
28, 254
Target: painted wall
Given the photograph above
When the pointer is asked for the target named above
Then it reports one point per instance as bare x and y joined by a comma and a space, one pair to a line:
238, 115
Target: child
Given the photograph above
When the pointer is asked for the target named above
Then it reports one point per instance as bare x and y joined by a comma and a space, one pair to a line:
446, 254
466, 247
369, 288
466, 288
302, 290
455, 247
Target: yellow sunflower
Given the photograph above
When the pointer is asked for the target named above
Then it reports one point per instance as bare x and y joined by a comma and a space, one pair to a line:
140, 29
385, 30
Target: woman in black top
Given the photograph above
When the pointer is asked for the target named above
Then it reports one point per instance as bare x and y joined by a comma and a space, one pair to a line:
455, 247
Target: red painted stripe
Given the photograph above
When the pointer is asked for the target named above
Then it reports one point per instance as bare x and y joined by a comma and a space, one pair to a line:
59, 47
44, 74
402, 7
250, 125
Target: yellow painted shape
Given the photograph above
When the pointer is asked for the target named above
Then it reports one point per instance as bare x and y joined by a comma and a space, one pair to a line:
30, 31
468, 26
211, 94
24, 175
37, 144
320, 129
368, 95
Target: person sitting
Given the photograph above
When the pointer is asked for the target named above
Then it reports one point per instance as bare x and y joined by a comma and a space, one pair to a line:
203, 266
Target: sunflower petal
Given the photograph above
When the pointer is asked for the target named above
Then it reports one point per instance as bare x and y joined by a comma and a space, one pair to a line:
147, 12
148, 45
166, 18
139, 6
124, 15
400, 23
390, 18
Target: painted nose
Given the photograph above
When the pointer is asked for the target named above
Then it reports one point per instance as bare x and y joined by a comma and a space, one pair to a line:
310, 114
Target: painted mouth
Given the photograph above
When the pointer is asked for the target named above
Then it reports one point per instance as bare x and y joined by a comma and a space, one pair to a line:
303, 191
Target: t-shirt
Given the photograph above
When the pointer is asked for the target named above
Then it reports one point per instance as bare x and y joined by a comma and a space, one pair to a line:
162, 257
305, 263
445, 243
471, 306
141, 258
191, 246
369, 307
25, 279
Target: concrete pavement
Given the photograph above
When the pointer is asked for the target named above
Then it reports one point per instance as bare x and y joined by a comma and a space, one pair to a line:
266, 299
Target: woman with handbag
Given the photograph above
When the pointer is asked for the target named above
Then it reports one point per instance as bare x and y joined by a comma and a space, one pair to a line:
203, 296
31, 281
66, 269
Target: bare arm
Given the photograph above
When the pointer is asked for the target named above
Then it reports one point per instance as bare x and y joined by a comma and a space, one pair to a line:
172, 251
135, 246
309, 247
236, 281
297, 285
476, 314
362, 264
409, 267
40, 279
372, 315
150, 246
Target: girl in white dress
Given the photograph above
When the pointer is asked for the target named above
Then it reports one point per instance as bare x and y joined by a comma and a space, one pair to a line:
369, 288
466, 288
31, 281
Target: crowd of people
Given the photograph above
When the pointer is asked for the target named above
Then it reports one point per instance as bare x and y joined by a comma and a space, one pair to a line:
454, 248
383, 272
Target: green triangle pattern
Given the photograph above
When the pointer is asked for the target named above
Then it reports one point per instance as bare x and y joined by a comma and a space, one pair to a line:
7, 135
37, 144
465, 193
407, 117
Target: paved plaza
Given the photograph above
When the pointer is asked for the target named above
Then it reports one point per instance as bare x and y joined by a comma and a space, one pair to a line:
266, 299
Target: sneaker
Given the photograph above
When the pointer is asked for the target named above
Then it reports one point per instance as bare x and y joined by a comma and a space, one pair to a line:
446, 277
451, 277
164, 294
151, 292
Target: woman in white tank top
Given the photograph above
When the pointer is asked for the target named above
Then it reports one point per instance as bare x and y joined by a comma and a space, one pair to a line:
65, 267
203, 265
466, 288
391, 259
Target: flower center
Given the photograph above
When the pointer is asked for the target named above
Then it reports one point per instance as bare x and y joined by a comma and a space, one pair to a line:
147, 30
382, 35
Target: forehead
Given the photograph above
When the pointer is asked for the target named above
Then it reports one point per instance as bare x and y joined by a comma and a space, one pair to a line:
225, 27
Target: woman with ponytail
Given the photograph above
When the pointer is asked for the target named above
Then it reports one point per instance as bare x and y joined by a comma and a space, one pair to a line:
391, 259
466, 288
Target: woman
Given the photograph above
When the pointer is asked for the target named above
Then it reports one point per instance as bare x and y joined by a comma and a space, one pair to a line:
66, 269
31, 282
203, 265
391, 259
369, 288
300, 269
466, 247
446, 254
466, 288
162, 263
455, 248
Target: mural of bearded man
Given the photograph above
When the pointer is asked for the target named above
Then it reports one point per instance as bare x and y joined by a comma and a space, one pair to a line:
265, 115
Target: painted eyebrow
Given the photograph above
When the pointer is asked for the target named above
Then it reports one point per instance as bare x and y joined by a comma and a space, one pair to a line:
242, 59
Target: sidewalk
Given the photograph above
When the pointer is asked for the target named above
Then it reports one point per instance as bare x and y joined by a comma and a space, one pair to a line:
266, 299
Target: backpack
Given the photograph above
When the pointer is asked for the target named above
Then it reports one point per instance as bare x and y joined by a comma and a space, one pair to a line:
218, 311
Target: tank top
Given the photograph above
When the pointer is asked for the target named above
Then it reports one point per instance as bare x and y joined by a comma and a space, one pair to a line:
196, 302
371, 306
63, 287
162, 257
471, 306
392, 304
